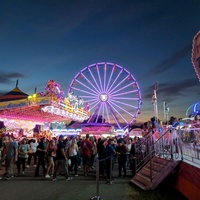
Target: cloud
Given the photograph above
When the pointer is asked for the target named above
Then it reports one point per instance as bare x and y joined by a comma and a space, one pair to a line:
171, 61
5, 77
170, 91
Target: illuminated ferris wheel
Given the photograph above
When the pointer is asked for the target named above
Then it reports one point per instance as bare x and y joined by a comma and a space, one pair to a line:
111, 91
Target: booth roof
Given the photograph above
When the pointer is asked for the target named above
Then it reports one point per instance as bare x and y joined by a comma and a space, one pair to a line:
14, 94
30, 113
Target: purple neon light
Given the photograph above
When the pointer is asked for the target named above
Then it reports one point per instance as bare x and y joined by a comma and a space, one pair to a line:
104, 84
118, 112
89, 82
114, 117
130, 84
93, 104
91, 117
77, 89
94, 112
110, 77
128, 98
115, 80
128, 92
121, 108
86, 86
117, 99
118, 84
94, 79
99, 77
98, 111
88, 69
103, 111
88, 97
108, 117
125, 104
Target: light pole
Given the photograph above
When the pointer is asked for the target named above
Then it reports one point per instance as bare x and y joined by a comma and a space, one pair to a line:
154, 101
166, 112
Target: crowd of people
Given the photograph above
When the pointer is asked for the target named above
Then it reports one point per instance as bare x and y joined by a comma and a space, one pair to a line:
67, 155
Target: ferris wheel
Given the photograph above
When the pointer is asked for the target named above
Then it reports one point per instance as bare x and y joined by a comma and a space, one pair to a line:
111, 91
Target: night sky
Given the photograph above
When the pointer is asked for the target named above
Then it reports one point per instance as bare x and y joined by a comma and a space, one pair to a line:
43, 40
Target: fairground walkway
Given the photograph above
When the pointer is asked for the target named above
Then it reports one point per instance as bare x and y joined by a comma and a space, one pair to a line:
28, 187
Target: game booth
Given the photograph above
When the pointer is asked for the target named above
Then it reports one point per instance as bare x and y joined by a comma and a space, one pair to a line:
23, 114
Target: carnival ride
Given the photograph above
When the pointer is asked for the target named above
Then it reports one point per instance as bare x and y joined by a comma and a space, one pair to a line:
194, 110
196, 54
38, 108
111, 91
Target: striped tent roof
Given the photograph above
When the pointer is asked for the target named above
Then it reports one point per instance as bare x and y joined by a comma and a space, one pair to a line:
14, 94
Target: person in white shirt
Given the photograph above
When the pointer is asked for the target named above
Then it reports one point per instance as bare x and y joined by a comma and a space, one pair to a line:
32, 152
73, 153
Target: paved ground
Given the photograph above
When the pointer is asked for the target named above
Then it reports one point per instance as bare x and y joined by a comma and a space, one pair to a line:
29, 187
81, 187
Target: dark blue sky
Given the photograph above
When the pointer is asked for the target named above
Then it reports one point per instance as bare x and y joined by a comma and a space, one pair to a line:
55, 39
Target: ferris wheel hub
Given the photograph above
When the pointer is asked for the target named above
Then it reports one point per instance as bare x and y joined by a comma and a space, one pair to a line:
104, 97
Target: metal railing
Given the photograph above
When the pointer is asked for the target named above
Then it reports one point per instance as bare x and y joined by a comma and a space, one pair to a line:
190, 144
165, 146
171, 144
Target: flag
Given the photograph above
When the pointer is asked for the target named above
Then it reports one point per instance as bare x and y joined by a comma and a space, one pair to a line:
156, 86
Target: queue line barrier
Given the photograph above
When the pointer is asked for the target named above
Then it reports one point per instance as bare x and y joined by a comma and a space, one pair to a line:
97, 196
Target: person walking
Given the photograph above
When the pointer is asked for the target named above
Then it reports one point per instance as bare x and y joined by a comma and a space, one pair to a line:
10, 154
73, 155
101, 151
121, 155
22, 156
61, 159
51, 157
32, 153
41, 153
110, 152
94, 151
86, 153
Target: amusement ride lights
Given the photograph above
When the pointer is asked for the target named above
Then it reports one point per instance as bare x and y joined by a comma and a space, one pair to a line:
44, 107
112, 92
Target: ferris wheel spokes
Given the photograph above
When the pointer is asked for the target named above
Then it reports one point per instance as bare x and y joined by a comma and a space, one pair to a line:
96, 114
122, 88
113, 107
96, 92
80, 90
94, 79
121, 94
104, 83
119, 84
113, 104
113, 68
115, 80
128, 98
90, 83
125, 104
99, 77
114, 116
